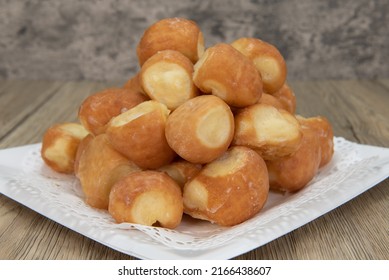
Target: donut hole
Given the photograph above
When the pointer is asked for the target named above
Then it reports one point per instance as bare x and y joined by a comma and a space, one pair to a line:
146, 208
60, 144
272, 125
195, 196
214, 127
138, 111
167, 83
174, 173
75, 130
155, 207
60, 152
269, 68
229, 163
215, 88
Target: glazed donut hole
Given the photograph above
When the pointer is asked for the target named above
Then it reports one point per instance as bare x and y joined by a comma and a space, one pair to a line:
270, 71
99, 167
267, 59
80, 150
324, 130
60, 144
181, 171
225, 72
134, 85
208, 131
98, 109
142, 109
177, 34
271, 100
286, 96
147, 198
139, 134
271, 132
167, 78
229, 190
292, 173
201, 129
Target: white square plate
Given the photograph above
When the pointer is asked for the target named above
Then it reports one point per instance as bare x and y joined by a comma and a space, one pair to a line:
354, 169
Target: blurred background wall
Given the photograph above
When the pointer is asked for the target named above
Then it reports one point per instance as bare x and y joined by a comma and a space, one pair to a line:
96, 39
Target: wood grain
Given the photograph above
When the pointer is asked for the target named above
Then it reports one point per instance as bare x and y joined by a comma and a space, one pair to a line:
358, 229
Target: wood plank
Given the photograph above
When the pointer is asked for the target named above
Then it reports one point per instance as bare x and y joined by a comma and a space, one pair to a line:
62, 107
4, 84
349, 232
385, 84
21, 99
28, 235
365, 111
345, 103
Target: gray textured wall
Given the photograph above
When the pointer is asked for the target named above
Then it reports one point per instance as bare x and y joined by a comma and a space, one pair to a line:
96, 40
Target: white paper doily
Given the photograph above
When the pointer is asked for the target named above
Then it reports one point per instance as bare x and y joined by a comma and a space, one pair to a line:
354, 169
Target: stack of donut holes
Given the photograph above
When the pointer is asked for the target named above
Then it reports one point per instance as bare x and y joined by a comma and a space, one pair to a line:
205, 132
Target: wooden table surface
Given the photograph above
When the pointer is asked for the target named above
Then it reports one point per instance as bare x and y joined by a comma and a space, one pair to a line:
359, 229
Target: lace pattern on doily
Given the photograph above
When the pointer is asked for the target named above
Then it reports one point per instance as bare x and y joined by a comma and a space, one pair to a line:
63, 193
